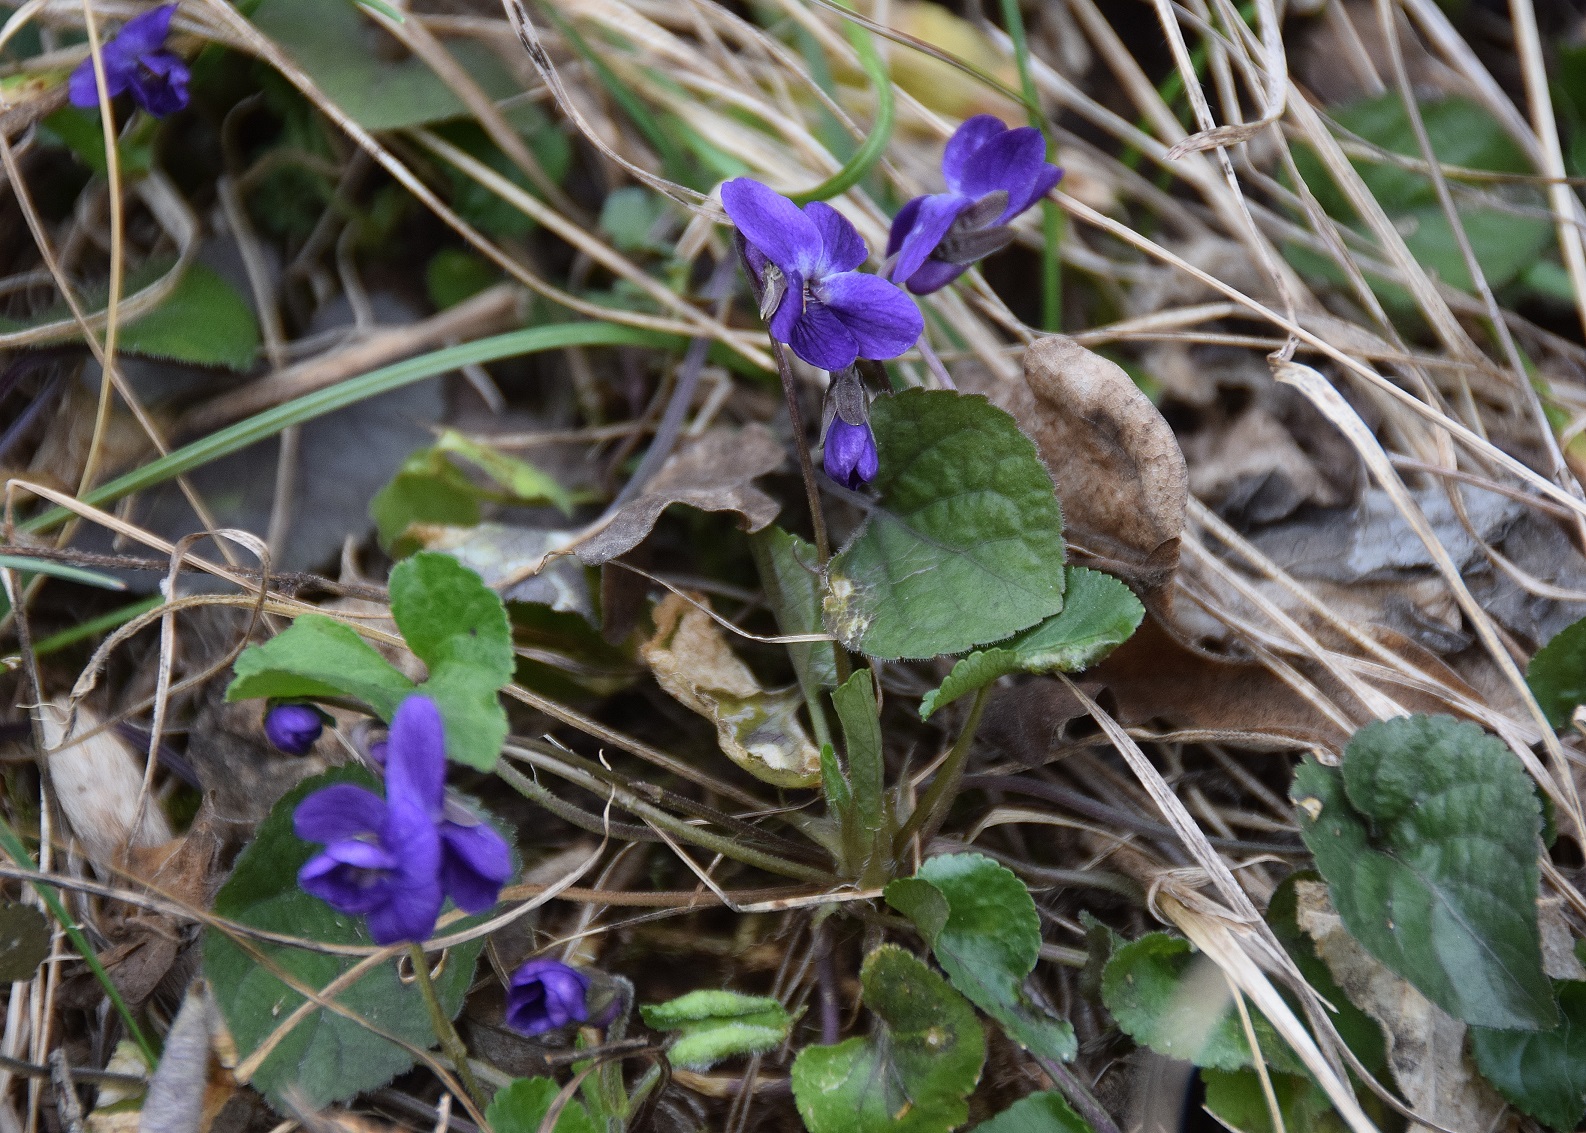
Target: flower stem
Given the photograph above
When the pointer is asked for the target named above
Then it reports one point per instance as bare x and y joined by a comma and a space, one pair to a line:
451, 1042
928, 816
823, 545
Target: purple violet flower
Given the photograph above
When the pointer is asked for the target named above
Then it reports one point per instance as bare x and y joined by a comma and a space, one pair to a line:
135, 60
545, 994
993, 174
804, 263
395, 860
293, 728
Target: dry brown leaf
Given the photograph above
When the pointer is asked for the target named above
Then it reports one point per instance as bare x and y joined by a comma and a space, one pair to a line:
1119, 473
712, 473
758, 730
98, 781
1426, 1045
1153, 677
1253, 469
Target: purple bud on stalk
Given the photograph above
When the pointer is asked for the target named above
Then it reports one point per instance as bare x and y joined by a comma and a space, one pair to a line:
850, 454
544, 995
293, 728
135, 60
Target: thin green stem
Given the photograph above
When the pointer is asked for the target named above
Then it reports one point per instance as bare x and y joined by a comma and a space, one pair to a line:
932, 811
451, 1042
1051, 218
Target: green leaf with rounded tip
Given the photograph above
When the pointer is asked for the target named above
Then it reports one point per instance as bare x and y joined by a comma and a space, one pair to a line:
325, 1057
1045, 1112
981, 924
1541, 1072
1168, 997
912, 1074
1099, 614
318, 657
1557, 674
458, 627
966, 543
1428, 836
523, 1106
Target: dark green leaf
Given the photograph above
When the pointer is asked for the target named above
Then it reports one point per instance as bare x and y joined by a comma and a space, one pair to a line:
1045, 1112
966, 545
523, 1106
1428, 839
1236, 1097
81, 132
1358, 1030
855, 701
792, 588
1542, 1073
1175, 1001
317, 656
981, 924
453, 275
1099, 613
458, 627
203, 321
717, 1025
24, 941
1557, 674
332, 42
913, 1074
326, 1056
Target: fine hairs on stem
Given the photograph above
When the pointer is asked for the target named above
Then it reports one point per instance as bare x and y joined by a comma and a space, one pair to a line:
451, 1042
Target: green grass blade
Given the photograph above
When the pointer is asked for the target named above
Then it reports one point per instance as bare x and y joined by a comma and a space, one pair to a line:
60, 570
880, 136
1051, 218
55, 642
225, 441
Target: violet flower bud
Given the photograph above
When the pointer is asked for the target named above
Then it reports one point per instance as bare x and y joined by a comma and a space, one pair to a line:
293, 728
544, 995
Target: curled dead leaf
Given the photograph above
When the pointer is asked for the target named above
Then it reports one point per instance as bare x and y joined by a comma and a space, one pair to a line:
759, 730
1118, 470
98, 781
712, 473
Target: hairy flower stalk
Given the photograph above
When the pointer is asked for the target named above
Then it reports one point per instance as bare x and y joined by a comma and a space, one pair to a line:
135, 60
993, 174
395, 860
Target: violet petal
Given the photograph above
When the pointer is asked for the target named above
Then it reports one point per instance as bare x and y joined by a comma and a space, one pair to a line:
475, 864
338, 812
820, 338
883, 320
902, 224
850, 454
934, 275
416, 755
772, 223
959, 155
932, 219
842, 248
1011, 161
143, 34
